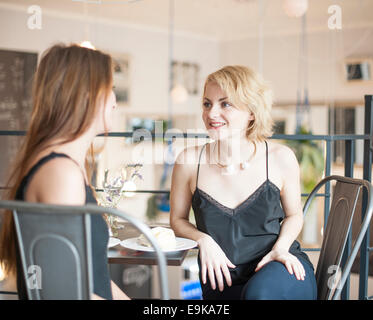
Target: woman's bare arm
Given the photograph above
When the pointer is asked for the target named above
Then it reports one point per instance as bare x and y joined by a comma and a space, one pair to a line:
59, 181
181, 198
290, 200
293, 221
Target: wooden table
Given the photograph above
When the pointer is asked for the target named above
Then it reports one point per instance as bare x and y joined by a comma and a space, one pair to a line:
121, 255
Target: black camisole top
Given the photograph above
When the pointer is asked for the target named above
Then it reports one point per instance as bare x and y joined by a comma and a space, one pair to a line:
247, 232
99, 236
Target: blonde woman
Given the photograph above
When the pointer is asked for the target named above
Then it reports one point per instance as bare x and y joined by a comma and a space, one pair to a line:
72, 103
245, 194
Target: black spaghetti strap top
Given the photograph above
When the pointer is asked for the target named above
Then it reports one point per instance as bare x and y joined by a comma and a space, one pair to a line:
247, 232
99, 235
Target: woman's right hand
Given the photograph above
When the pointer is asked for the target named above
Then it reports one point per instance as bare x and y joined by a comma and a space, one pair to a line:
214, 262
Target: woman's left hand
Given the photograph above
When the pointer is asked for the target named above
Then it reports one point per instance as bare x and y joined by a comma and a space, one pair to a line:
290, 261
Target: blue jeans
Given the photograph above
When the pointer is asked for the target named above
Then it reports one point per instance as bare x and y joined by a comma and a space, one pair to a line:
272, 282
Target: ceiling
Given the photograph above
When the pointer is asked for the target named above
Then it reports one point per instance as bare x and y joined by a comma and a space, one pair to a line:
217, 19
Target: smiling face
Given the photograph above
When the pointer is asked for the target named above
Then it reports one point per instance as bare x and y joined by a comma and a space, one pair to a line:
222, 119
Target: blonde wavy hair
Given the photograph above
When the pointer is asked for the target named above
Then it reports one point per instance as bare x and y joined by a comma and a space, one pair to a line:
248, 91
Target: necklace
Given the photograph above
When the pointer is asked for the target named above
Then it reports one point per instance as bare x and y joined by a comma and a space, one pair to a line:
230, 168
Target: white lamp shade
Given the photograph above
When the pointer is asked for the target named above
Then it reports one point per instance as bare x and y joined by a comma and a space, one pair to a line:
87, 44
179, 94
295, 8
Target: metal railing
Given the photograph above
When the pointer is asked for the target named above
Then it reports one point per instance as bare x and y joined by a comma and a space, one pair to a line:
350, 144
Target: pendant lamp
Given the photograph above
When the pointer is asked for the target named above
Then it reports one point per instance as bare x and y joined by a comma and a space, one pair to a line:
295, 8
87, 44
179, 94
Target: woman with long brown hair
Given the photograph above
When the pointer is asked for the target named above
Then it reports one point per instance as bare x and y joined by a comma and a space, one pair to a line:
72, 102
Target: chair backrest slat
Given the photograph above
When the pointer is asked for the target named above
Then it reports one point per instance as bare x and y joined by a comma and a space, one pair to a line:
56, 255
330, 274
342, 210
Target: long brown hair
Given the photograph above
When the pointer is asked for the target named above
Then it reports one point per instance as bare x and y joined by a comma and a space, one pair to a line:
67, 87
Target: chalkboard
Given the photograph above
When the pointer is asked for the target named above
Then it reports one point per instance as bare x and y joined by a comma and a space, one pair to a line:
16, 73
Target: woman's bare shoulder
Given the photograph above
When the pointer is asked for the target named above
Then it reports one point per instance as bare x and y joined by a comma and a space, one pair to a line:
190, 156
185, 168
58, 181
283, 154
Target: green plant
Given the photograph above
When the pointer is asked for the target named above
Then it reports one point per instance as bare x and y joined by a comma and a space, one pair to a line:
311, 161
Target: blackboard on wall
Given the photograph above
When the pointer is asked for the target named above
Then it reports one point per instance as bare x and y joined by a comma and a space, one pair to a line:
16, 73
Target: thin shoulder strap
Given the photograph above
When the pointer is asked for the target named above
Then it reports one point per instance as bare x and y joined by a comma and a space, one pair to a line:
64, 155
199, 161
39, 163
266, 158
35, 168
53, 155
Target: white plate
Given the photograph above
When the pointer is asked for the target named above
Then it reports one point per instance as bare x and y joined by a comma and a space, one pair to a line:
113, 242
181, 244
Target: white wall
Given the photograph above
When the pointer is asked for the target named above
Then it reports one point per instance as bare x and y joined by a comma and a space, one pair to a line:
148, 49
326, 51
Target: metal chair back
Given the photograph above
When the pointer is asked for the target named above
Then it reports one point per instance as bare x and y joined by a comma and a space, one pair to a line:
330, 277
55, 253
54, 243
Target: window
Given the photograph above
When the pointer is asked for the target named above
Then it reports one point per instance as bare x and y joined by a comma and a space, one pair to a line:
341, 121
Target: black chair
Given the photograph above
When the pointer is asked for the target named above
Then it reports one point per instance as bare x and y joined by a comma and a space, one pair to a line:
336, 232
55, 248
